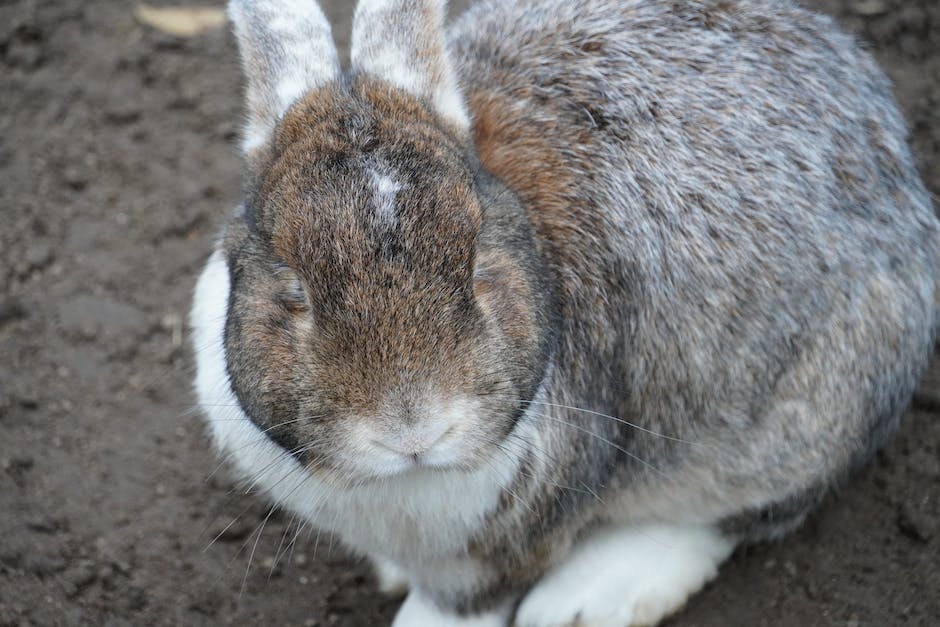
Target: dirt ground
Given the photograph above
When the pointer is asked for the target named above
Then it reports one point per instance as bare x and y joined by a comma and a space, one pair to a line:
117, 161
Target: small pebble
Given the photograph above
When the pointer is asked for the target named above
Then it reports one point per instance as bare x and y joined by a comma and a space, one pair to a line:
18, 463
11, 310
44, 564
123, 111
80, 577
38, 255
913, 524
74, 177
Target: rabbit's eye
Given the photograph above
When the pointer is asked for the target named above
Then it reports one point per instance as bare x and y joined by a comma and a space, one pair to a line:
290, 289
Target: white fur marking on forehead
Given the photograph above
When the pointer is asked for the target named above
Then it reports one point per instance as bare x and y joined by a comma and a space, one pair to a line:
386, 191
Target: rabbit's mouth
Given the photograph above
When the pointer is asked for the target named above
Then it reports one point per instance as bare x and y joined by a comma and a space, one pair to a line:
420, 450
404, 469
383, 447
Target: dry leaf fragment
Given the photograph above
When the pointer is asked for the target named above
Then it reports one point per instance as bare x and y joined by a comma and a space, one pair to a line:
870, 7
181, 21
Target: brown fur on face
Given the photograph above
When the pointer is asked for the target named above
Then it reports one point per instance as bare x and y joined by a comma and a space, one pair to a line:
400, 304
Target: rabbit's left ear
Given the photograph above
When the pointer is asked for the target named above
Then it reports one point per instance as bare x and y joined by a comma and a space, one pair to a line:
287, 50
402, 42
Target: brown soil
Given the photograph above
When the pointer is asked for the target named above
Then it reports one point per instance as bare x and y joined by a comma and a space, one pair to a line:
117, 161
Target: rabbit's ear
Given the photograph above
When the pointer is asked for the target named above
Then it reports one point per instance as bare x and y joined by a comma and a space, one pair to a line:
286, 49
402, 42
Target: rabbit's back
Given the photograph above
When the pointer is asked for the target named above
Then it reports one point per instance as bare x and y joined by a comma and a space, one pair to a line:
713, 121
727, 199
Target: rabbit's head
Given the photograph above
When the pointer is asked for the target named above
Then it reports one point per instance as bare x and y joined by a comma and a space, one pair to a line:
387, 310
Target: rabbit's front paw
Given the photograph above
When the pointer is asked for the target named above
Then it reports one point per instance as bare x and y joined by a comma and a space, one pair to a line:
626, 577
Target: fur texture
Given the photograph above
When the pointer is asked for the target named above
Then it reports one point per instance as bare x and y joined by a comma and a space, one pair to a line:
588, 269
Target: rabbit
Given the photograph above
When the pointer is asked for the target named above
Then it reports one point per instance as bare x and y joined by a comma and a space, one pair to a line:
547, 312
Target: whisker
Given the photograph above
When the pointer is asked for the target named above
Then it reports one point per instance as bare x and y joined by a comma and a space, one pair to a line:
227, 456
280, 545
226, 528
254, 548
621, 421
602, 439
617, 419
293, 541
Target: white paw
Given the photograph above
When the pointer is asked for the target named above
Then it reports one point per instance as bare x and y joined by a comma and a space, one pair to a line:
625, 577
417, 611
393, 581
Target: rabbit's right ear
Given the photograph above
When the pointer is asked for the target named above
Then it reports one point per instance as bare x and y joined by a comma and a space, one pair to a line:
403, 42
286, 49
